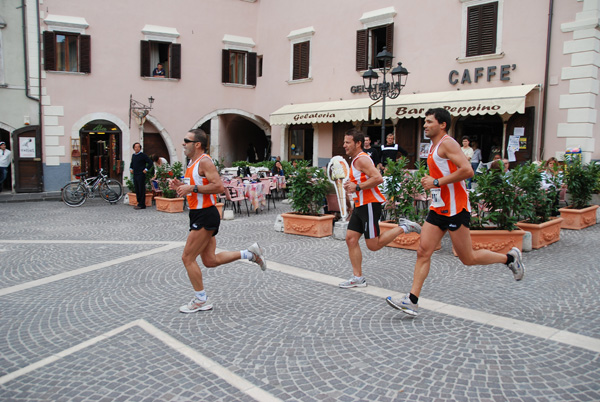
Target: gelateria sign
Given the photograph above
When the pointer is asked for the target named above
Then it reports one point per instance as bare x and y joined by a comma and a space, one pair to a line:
310, 116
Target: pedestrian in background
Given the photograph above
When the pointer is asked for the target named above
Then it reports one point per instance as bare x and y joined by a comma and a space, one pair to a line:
5, 159
139, 166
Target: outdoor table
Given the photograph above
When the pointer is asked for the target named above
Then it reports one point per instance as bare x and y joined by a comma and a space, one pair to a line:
255, 194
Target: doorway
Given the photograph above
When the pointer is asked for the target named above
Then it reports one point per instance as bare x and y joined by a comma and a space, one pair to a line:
100, 149
27, 157
487, 130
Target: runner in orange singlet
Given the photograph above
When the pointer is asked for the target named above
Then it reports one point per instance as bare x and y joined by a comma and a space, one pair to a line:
363, 181
200, 185
449, 210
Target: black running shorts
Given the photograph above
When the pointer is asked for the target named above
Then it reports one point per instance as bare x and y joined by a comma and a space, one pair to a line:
451, 223
207, 218
365, 220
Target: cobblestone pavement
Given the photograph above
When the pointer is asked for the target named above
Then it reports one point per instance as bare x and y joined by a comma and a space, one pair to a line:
89, 302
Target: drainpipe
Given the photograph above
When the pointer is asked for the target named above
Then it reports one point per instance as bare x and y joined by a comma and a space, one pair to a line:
546, 73
24, 12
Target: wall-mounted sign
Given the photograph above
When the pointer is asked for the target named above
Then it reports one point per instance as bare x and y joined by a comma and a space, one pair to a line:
27, 147
478, 72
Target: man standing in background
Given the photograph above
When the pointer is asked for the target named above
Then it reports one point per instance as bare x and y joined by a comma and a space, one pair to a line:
139, 166
5, 158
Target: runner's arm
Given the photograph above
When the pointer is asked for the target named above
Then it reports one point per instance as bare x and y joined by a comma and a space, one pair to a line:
451, 150
366, 166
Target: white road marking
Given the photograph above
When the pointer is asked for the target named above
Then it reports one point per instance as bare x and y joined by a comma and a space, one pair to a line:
206, 363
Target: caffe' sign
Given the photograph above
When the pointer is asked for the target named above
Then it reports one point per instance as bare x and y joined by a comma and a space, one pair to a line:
310, 116
404, 111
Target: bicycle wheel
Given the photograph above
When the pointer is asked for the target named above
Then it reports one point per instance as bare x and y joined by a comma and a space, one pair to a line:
74, 194
111, 190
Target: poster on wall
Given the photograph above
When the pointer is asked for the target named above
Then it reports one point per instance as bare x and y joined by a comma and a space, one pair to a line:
27, 147
424, 150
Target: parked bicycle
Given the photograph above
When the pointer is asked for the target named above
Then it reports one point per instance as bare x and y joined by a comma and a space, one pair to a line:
76, 192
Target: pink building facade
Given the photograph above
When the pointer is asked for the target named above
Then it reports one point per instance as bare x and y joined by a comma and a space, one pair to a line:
286, 77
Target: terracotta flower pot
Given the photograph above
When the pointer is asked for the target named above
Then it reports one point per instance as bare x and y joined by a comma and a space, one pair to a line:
308, 225
544, 233
169, 204
578, 218
409, 241
219, 206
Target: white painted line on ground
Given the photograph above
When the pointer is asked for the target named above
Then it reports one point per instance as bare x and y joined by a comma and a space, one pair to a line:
240, 383
25, 241
540, 331
80, 271
524, 327
206, 363
51, 359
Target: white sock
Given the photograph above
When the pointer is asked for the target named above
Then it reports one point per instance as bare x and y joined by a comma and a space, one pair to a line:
201, 295
246, 255
358, 278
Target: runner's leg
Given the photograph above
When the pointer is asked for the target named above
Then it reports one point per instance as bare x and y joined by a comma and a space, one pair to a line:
461, 240
430, 238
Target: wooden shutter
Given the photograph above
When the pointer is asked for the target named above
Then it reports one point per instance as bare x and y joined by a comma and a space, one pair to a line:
49, 51
85, 55
482, 25
144, 58
251, 60
301, 61
225, 66
389, 40
175, 66
362, 46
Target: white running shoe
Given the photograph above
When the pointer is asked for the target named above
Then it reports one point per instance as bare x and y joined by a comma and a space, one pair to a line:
354, 283
404, 304
517, 267
409, 226
195, 305
258, 255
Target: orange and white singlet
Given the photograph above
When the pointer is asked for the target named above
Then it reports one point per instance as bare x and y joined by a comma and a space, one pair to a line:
450, 199
370, 195
197, 200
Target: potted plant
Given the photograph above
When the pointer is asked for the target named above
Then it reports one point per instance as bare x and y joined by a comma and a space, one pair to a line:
406, 198
169, 202
581, 181
308, 189
536, 214
496, 206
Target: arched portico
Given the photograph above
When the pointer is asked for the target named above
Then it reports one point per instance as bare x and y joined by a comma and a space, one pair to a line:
232, 131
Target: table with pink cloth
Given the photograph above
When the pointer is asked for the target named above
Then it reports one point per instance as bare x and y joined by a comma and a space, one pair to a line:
255, 193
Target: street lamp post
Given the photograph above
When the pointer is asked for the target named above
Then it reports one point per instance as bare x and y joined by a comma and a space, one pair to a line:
385, 89
140, 111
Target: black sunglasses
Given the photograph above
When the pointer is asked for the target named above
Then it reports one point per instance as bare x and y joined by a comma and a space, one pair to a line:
188, 141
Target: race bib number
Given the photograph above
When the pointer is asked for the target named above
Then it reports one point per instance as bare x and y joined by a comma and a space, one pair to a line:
436, 198
186, 181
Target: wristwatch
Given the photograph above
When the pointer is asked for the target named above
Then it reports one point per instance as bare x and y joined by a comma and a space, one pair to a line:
195, 190
357, 188
436, 182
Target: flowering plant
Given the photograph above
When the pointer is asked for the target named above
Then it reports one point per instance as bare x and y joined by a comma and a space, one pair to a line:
166, 172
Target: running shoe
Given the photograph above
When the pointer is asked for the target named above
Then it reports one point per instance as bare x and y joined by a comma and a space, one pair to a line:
409, 226
517, 267
195, 305
354, 283
403, 304
258, 255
